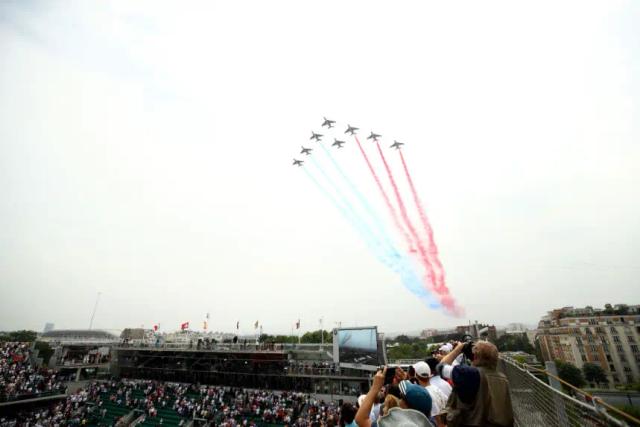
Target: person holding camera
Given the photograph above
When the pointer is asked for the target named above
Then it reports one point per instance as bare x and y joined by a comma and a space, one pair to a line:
480, 395
413, 404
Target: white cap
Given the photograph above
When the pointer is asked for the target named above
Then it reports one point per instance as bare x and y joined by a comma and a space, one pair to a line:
446, 348
422, 369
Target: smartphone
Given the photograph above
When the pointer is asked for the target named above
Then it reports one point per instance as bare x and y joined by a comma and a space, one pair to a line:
391, 373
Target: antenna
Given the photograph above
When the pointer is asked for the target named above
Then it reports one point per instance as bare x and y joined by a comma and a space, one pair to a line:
94, 310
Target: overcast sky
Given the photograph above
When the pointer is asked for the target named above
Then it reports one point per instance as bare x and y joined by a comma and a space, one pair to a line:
145, 153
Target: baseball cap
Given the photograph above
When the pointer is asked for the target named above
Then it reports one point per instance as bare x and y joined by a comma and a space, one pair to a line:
422, 369
416, 397
404, 418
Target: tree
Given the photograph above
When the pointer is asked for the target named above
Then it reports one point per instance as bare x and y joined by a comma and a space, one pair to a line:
19, 336
404, 339
594, 373
314, 337
514, 342
569, 373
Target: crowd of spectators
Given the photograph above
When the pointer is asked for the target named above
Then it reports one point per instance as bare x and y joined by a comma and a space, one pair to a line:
458, 385
71, 411
19, 378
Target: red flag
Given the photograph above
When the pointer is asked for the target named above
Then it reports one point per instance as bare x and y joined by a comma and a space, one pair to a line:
184, 326
155, 328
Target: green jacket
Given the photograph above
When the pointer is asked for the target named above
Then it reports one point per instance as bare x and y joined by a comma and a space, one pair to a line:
491, 406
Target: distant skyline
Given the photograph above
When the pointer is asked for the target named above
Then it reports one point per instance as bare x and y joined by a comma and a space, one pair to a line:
145, 153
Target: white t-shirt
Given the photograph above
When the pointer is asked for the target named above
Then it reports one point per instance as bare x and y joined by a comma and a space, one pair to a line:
444, 386
438, 399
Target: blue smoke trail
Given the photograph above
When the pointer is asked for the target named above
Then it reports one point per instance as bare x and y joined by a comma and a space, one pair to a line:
347, 210
407, 274
390, 255
378, 223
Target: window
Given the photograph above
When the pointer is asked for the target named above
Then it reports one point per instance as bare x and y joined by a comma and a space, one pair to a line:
616, 338
584, 358
623, 358
594, 349
599, 330
612, 368
609, 359
590, 338
627, 369
634, 348
593, 322
613, 330
619, 348
615, 378
630, 338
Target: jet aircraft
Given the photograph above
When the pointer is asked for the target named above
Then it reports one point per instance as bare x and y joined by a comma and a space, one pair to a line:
337, 143
306, 151
315, 136
297, 162
396, 144
351, 130
328, 123
374, 136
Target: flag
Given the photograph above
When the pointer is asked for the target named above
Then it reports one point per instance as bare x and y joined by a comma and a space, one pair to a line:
256, 325
205, 325
298, 324
184, 326
156, 327
238, 325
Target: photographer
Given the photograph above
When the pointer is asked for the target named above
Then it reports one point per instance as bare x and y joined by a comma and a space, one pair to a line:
413, 406
480, 395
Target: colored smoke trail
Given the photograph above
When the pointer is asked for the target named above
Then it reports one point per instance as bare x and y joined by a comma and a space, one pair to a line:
433, 248
392, 210
377, 221
391, 258
347, 210
405, 216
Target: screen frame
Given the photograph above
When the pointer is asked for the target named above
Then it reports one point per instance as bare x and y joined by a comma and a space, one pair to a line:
365, 367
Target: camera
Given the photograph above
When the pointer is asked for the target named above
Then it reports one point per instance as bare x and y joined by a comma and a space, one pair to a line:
467, 350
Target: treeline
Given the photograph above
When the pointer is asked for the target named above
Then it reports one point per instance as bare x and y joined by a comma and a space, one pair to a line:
18, 336
311, 337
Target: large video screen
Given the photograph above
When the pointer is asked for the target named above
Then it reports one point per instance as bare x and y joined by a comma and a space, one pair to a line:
358, 346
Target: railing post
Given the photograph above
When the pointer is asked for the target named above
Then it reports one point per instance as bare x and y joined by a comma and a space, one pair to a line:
561, 411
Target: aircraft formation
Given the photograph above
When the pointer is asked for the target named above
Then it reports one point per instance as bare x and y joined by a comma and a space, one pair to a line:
351, 130
397, 232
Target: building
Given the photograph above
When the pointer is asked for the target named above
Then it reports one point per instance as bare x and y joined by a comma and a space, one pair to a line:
478, 330
428, 333
607, 337
48, 327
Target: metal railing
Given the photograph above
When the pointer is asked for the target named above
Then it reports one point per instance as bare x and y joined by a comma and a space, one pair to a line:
536, 403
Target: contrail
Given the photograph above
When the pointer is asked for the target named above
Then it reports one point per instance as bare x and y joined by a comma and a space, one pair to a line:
433, 248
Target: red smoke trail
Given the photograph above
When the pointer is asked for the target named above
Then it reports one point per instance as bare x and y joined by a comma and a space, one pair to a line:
433, 248
392, 210
403, 211
445, 299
